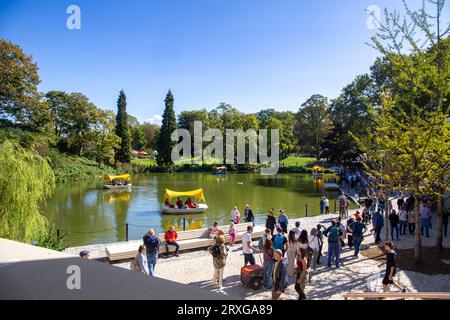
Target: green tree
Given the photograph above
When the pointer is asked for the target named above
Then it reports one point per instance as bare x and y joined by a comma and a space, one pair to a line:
151, 132
106, 139
169, 125
139, 141
122, 130
26, 179
313, 125
21, 102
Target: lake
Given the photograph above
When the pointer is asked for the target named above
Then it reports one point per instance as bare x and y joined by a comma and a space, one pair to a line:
90, 214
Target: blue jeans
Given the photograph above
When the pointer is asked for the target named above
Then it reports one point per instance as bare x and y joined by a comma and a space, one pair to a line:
249, 258
392, 231
267, 275
152, 258
403, 225
357, 244
425, 223
333, 250
177, 247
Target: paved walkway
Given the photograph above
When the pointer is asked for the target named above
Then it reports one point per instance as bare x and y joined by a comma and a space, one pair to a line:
356, 274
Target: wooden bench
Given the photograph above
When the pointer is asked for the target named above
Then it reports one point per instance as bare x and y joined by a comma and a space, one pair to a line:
402, 295
187, 240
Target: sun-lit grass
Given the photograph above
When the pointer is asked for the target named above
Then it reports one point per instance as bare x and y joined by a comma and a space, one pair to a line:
298, 162
144, 162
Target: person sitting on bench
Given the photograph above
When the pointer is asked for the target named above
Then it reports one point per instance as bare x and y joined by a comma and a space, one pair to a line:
171, 240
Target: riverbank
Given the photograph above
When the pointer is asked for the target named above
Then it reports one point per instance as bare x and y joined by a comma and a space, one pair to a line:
360, 274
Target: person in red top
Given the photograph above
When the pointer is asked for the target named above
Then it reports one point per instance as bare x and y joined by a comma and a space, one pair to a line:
171, 237
190, 204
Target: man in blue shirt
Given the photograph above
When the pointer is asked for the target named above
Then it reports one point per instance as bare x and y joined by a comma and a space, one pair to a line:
283, 221
152, 243
357, 229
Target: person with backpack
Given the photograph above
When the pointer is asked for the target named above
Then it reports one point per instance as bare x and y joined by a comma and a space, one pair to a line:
394, 221
283, 221
140, 261
271, 222
280, 242
219, 253
377, 224
292, 251
334, 234
152, 245
357, 229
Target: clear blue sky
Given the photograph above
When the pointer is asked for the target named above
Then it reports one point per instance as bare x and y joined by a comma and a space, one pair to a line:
252, 54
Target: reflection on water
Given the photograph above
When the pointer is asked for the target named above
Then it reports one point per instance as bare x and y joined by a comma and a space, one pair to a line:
91, 214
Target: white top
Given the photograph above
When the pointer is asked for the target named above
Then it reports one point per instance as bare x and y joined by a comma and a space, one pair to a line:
234, 214
314, 242
326, 202
403, 215
293, 247
247, 237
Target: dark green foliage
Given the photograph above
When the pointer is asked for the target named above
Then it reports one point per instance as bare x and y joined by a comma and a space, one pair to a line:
122, 130
169, 125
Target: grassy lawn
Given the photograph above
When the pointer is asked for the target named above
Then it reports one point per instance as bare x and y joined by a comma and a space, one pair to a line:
298, 162
144, 162
179, 163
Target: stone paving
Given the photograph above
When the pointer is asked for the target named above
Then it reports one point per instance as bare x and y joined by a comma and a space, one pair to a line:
355, 274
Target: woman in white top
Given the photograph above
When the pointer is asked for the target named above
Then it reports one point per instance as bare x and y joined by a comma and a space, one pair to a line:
141, 260
403, 217
314, 244
292, 252
235, 215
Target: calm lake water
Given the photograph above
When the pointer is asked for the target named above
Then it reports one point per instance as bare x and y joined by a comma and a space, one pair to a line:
90, 214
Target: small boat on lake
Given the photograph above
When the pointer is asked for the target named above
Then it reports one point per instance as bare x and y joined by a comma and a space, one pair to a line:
330, 182
188, 206
117, 182
222, 170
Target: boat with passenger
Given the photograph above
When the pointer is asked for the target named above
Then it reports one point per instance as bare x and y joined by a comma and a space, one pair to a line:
222, 170
117, 182
188, 206
330, 182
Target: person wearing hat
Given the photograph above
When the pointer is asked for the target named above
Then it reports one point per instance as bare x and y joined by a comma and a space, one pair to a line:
85, 255
279, 275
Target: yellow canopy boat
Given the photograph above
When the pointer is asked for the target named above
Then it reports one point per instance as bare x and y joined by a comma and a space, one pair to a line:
117, 182
197, 207
330, 181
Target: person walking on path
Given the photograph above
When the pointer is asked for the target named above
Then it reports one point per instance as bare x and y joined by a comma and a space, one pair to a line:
394, 221
141, 260
425, 215
301, 274
219, 253
247, 247
267, 264
357, 229
271, 222
283, 221
326, 204
249, 217
170, 237
314, 244
334, 234
235, 215
391, 268
342, 200
279, 275
411, 222
322, 205
292, 251
152, 244
403, 218
349, 232
377, 224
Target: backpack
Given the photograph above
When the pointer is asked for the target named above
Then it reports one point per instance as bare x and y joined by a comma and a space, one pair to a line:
333, 234
134, 265
278, 242
215, 251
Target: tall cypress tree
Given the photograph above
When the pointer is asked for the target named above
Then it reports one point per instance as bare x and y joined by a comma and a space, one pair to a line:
122, 130
165, 144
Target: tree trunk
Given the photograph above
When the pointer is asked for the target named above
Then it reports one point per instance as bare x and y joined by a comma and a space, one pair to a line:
417, 234
440, 220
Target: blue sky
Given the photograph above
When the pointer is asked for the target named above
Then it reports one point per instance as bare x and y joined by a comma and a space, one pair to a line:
252, 54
